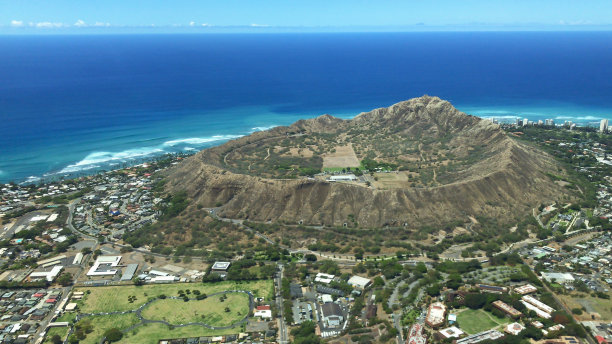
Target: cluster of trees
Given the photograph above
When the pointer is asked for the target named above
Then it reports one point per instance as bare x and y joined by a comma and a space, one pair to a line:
175, 204
305, 334
81, 330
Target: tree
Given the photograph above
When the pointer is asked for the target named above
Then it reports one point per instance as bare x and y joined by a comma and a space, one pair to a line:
358, 253
65, 279
420, 267
433, 290
310, 257
56, 339
378, 282
305, 334
475, 301
113, 334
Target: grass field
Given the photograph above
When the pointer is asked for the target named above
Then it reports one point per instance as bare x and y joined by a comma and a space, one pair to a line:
60, 331
210, 311
591, 305
473, 321
153, 333
104, 322
110, 299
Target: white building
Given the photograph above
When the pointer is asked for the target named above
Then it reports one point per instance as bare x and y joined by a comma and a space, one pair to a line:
105, 266
324, 278
78, 258
343, 178
263, 312
221, 266
332, 314
558, 277
514, 328
451, 332
47, 275
435, 314
359, 282
525, 289
603, 126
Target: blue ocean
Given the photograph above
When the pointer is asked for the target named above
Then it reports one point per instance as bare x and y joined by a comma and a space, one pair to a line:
75, 104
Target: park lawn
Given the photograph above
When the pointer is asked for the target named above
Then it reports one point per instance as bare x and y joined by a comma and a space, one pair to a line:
153, 333
102, 323
60, 331
115, 298
592, 304
67, 316
210, 311
473, 321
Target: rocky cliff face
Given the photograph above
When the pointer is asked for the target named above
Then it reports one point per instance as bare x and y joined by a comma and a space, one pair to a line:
496, 176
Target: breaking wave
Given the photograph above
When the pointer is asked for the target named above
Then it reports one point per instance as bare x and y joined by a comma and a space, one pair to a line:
99, 160
200, 140
254, 129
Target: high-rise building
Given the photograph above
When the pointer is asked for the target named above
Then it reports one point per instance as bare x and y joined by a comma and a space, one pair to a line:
603, 126
525, 122
550, 122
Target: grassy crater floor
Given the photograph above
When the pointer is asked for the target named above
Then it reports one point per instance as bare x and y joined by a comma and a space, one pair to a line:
214, 311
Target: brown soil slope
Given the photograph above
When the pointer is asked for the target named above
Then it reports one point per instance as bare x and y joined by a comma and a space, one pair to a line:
496, 176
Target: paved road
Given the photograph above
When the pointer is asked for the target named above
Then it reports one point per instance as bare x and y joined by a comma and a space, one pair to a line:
398, 326
284, 338
71, 207
23, 221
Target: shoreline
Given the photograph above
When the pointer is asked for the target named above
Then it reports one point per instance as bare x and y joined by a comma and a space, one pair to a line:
97, 161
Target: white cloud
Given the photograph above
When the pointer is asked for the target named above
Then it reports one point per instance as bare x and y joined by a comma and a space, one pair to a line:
206, 24
46, 25
577, 22
16, 23
192, 23
259, 25
80, 23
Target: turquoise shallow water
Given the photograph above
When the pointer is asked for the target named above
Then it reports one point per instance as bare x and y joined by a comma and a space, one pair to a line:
72, 105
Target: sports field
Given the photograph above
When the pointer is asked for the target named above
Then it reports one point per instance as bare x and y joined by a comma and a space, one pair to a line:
477, 320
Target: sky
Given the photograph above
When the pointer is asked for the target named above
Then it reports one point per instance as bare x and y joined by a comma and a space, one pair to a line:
39, 16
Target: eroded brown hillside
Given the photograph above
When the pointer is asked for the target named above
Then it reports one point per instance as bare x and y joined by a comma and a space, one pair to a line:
444, 165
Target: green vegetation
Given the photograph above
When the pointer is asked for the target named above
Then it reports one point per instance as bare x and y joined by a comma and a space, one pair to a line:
210, 311
221, 310
91, 329
176, 203
477, 320
305, 334
152, 333
56, 333
117, 298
